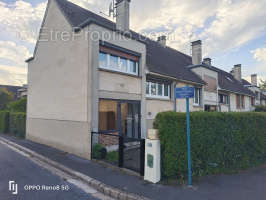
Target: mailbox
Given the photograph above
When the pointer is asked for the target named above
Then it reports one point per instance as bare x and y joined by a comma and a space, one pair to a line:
152, 160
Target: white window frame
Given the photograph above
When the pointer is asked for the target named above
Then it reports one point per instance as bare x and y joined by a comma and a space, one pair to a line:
158, 96
118, 69
199, 97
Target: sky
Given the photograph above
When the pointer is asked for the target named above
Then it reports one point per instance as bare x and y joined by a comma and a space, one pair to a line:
232, 31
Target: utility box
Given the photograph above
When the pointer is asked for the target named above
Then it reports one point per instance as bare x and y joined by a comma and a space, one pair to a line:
152, 160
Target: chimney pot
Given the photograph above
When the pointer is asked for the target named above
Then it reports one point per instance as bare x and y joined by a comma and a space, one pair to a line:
238, 72
196, 52
254, 79
162, 40
207, 61
122, 15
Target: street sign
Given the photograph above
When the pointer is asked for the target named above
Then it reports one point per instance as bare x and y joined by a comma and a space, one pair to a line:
184, 92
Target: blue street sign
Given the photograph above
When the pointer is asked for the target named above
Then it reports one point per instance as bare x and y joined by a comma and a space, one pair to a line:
184, 92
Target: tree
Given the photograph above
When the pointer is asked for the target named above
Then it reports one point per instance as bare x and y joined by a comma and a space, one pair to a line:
263, 84
18, 106
5, 98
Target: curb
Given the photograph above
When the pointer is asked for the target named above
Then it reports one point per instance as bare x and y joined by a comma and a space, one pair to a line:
99, 186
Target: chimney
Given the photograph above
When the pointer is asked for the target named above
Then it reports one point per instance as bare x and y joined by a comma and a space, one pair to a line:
196, 52
207, 61
237, 72
162, 40
254, 79
122, 15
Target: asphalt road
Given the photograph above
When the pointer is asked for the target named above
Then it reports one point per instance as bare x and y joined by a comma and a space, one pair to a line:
25, 173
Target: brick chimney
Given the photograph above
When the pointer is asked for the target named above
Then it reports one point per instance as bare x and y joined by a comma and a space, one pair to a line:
254, 79
207, 61
238, 72
122, 15
196, 52
162, 40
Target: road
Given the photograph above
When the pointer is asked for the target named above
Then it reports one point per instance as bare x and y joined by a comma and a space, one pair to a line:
35, 182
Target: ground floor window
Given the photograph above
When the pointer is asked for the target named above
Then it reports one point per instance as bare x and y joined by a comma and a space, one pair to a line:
197, 97
157, 90
120, 116
224, 99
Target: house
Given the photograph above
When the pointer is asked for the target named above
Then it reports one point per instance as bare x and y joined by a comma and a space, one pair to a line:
89, 74
224, 91
105, 78
22, 92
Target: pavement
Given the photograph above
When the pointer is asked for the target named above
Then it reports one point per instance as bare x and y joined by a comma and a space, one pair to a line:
25, 173
247, 185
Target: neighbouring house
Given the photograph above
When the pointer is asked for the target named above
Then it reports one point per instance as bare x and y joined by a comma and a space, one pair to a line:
224, 91
13, 89
22, 92
89, 74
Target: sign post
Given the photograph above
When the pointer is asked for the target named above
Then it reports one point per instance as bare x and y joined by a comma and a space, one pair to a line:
186, 93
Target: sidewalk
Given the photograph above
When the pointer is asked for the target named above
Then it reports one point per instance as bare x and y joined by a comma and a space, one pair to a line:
245, 186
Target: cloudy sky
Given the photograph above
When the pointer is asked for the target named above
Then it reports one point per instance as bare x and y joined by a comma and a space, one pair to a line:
232, 31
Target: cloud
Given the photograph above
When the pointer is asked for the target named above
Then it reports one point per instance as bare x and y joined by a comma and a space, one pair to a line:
259, 54
13, 53
21, 19
13, 75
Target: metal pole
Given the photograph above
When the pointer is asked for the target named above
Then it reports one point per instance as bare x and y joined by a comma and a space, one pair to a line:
188, 146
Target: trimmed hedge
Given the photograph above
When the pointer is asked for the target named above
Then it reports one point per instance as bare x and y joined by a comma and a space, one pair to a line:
17, 124
260, 109
4, 120
220, 142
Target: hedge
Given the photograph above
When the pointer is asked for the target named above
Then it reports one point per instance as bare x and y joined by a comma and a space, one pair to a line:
4, 118
17, 124
260, 109
220, 142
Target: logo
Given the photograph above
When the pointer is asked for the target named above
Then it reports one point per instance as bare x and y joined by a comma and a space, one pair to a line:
13, 187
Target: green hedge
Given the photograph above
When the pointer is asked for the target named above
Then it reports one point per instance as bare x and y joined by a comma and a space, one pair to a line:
4, 118
17, 124
260, 109
220, 142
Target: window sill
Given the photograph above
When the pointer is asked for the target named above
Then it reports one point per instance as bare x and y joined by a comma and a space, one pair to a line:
157, 98
118, 72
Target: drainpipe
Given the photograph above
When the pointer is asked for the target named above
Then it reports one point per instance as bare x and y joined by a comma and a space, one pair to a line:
174, 97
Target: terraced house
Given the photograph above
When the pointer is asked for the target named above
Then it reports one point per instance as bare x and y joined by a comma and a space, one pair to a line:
108, 78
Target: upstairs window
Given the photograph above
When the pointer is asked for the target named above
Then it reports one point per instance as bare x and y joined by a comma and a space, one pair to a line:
157, 90
117, 63
197, 97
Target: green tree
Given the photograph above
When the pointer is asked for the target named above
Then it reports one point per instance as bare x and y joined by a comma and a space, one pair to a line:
263, 84
5, 98
18, 106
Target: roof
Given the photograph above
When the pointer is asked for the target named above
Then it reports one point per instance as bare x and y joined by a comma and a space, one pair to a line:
227, 81
246, 83
159, 59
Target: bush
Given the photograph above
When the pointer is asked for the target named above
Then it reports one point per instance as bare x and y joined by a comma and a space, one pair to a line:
220, 142
17, 124
98, 151
112, 156
4, 119
17, 106
260, 109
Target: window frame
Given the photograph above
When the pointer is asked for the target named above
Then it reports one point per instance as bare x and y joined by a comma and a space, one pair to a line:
163, 90
118, 68
198, 91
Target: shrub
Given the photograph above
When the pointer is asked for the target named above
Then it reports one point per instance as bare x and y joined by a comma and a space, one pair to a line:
17, 106
98, 151
220, 142
4, 119
112, 156
17, 124
260, 109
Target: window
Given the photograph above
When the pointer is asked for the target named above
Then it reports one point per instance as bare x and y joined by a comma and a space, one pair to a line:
243, 101
107, 115
224, 99
197, 97
116, 63
157, 90
252, 101
238, 101
257, 95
